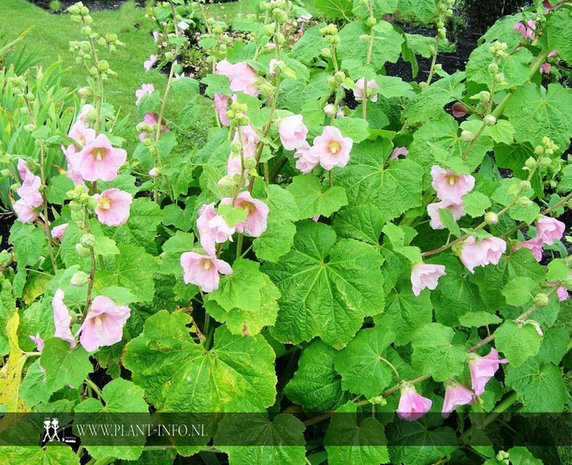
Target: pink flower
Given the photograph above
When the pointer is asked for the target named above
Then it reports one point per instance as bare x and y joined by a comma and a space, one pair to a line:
37, 339
527, 30
535, 245
292, 132
103, 325
203, 270
397, 152
545, 68
306, 160
331, 148
62, 318
58, 231
548, 7
153, 172
456, 395
155, 36
28, 206
271, 65
221, 104
549, 229
458, 110
482, 252
152, 119
213, 228
483, 369
250, 140
113, 207
412, 405
100, 160
241, 76
146, 89
148, 64
562, 293
424, 275
359, 89
84, 112
81, 133
458, 210
449, 185
553, 53
257, 214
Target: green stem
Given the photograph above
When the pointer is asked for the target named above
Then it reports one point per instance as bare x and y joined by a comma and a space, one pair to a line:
94, 386
434, 60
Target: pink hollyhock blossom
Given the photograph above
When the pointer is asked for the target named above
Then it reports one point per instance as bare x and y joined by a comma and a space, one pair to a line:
458, 110
483, 369
152, 119
241, 76
359, 89
306, 161
458, 210
58, 231
84, 112
234, 165
62, 318
250, 139
103, 325
424, 275
257, 214
37, 339
272, 65
81, 133
397, 152
148, 64
221, 104
100, 160
482, 252
548, 7
456, 395
527, 30
72, 159
213, 228
292, 132
113, 206
153, 172
331, 148
203, 270
549, 229
545, 68
449, 185
535, 246
562, 293
28, 206
155, 36
146, 89
412, 405
553, 53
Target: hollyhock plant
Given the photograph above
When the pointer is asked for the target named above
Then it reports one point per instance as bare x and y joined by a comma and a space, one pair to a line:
451, 186
306, 160
458, 210
527, 28
213, 228
203, 270
481, 252
27, 208
148, 64
535, 245
549, 229
331, 148
257, 214
398, 152
371, 88
250, 139
241, 76
483, 369
292, 132
59, 230
103, 325
62, 318
425, 275
146, 89
456, 395
221, 105
100, 160
152, 119
412, 405
113, 206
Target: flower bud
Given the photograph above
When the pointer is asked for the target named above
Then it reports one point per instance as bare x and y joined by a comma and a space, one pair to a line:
249, 163
467, 136
103, 66
82, 251
541, 300
491, 218
493, 68
85, 92
371, 21
524, 202
87, 240
525, 185
490, 120
269, 29
79, 279
330, 110
530, 163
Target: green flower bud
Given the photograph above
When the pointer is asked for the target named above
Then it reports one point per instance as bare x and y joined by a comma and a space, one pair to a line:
103, 66
82, 251
169, 56
524, 202
530, 163
330, 110
541, 300
269, 29
525, 185
467, 136
79, 279
250, 163
371, 21
491, 218
87, 240
493, 68
490, 120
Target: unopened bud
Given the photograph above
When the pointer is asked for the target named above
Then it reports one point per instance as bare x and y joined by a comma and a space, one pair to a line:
330, 110
87, 240
79, 279
491, 218
524, 202
490, 120
82, 251
530, 163
541, 300
85, 92
467, 136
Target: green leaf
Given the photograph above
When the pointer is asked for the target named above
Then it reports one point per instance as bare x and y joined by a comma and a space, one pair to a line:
172, 250
559, 32
33, 389
232, 215
515, 69
557, 270
64, 365
316, 385
478, 319
536, 113
180, 375
50, 455
176, 216
216, 84
334, 8
105, 246
309, 45
312, 200
434, 352
245, 300
366, 179
327, 287
356, 128
361, 222
28, 242
517, 344
476, 203
391, 86
449, 222
518, 291
279, 235
361, 363
364, 440
424, 10
57, 190
132, 268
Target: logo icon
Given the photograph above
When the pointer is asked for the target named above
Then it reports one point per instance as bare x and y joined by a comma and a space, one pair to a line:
52, 425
